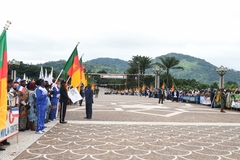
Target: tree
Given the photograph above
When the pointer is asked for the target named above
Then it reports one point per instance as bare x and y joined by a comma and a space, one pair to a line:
102, 71
139, 62
144, 63
98, 79
168, 63
231, 85
31, 71
214, 85
163, 78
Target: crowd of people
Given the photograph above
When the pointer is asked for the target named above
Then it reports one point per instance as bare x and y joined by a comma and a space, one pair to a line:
221, 98
40, 102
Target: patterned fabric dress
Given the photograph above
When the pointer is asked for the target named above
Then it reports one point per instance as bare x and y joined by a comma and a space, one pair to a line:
32, 117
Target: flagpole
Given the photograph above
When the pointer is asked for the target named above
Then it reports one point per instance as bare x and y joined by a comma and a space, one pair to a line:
83, 53
59, 75
82, 56
7, 25
68, 79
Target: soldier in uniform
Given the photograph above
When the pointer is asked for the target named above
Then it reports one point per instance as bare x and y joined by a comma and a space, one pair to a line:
96, 92
223, 100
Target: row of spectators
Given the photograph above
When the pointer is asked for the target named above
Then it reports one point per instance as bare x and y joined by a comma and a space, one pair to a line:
204, 96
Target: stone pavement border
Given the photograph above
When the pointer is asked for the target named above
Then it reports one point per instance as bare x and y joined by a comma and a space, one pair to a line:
22, 141
16, 149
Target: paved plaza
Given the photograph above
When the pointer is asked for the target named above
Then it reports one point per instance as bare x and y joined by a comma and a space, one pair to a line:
134, 128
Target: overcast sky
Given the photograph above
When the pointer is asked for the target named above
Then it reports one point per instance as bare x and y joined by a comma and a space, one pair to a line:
48, 30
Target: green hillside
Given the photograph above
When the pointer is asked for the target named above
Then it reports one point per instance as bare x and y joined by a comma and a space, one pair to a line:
194, 68
199, 69
109, 65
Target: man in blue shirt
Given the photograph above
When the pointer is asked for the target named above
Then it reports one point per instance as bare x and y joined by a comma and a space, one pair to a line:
41, 105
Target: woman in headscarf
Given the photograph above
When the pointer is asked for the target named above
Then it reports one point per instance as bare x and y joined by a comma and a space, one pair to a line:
32, 118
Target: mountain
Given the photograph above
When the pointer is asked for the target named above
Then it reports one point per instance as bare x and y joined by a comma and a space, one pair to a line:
194, 68
57, 65
109, 65
199, 69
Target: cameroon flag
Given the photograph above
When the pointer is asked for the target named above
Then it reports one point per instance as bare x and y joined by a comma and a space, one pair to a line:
3, 79
91, 81
143, 87
72, 68
82, 74
151, 87
173, 86
163, 85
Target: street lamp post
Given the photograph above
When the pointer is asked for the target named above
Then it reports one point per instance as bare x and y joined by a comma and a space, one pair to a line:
14, 63
138, 75
157, 70
221, 71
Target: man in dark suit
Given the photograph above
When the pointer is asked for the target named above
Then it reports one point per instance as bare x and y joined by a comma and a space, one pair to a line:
161, 95
175, 95
89, 101
212, 98
63, 101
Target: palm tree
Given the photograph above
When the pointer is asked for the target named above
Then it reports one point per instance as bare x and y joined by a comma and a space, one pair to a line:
169, 63
138, 64
144, 63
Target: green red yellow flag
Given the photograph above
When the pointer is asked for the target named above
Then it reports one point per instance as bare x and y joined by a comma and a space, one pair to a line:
72, 68
173, 86
163, 85
82, 74
91, 81
151, 87
3, 79
92, 86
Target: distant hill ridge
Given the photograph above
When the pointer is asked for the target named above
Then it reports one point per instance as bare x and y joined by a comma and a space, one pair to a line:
194, 68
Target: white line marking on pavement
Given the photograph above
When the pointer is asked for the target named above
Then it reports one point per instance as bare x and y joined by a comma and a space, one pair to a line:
75, 109
118, 109
154, 114
141, 106
172, 114
181, 110
157, 123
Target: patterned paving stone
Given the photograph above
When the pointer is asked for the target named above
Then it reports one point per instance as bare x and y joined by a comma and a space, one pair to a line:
108, 141
134, 128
